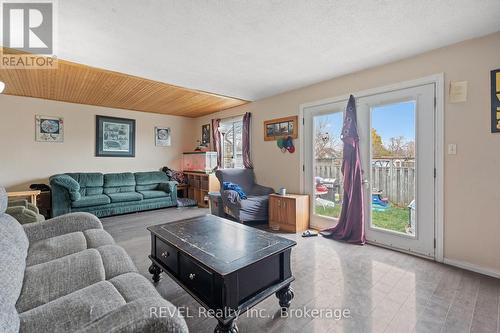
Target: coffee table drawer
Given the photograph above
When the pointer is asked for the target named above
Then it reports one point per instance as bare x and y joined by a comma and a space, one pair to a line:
196, 278
167, 255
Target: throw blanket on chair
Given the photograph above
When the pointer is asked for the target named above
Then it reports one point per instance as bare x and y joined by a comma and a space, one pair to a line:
235, 187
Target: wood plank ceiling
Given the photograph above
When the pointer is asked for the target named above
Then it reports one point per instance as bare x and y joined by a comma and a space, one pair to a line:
76, 83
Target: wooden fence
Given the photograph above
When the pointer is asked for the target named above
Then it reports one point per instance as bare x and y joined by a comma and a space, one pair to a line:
396, 182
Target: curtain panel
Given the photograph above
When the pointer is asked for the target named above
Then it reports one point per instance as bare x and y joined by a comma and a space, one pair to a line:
216, 139
247, 163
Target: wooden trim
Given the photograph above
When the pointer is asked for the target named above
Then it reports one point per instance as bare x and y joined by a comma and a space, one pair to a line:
293, 119
81, 84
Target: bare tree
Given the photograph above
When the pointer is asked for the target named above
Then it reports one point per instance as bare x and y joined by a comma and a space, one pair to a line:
326, 144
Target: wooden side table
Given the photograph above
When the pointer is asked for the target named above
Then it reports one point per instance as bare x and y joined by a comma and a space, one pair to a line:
290, 212
183, 188
27, 194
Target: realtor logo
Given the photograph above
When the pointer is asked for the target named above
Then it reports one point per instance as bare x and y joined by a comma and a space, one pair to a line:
28, 30
28, 27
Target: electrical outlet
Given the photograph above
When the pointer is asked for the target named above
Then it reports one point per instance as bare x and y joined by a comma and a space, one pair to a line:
452, 149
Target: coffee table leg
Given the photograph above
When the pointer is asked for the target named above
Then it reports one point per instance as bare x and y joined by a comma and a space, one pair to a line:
230, 327
155, 270
285, 297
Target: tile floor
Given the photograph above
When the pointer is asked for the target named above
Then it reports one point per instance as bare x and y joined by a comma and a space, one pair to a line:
383, 290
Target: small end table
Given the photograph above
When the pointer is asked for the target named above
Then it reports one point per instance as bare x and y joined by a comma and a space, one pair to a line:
31, 194
290, 212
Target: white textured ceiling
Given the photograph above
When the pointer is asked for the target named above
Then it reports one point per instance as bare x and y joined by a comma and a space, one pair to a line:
257, 48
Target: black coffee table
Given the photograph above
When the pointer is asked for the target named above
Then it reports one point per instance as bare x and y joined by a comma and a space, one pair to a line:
226, 266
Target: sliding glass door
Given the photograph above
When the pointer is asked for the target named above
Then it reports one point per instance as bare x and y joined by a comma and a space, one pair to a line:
396, 131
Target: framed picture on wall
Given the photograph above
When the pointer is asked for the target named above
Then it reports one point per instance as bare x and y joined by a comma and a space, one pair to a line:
281, 127
115, 137
162, 136
495, 101
205, 134
49, 129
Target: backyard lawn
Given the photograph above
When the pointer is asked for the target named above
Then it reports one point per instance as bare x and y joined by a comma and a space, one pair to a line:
394, 218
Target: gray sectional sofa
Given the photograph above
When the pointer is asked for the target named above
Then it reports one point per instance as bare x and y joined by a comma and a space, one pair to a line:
67, 275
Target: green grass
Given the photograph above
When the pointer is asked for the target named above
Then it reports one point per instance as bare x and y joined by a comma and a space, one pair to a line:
394, 218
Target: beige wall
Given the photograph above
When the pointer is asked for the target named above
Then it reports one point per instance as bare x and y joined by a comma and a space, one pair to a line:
24, 161
472, 177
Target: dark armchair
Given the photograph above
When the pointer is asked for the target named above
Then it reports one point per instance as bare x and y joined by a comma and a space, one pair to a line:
255, 207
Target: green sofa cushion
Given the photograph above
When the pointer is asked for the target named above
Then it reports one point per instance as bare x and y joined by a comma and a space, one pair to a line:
125, 196
92, 191
146, 181
154, 194
90, 183
91, 200
119, 182
90, 179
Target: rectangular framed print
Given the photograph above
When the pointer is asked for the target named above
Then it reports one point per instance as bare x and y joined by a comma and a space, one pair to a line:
281, 128
49, 129
205, 134
163, 136
115, 137
495, 101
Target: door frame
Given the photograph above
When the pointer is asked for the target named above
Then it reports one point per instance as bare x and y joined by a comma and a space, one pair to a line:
438, 81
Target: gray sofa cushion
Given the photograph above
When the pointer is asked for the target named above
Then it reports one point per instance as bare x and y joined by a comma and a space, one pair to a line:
136, 316
133, 286
48, 281
55, 247
68, 313
91, 200
115, 261
13, 251
97, 237
3, 200
61, 225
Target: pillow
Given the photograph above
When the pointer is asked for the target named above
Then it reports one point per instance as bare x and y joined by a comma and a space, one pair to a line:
235, 187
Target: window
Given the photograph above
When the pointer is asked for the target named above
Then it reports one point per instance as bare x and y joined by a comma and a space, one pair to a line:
232, 145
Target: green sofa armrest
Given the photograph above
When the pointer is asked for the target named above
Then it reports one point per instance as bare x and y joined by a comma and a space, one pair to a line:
170, 187
69, 184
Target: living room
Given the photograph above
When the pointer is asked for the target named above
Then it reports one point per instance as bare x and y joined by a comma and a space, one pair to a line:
313, 166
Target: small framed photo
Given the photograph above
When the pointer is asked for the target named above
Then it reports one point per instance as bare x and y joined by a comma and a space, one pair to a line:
115, 137
205, 134
163, 136
49, 129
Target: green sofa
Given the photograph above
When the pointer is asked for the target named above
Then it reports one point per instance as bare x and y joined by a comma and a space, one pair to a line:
112, 193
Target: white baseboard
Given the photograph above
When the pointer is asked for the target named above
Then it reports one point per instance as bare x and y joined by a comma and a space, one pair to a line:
472, 267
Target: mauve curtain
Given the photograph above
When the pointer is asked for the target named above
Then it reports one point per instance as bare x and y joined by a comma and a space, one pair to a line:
216, 141
247, 163
351, 226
